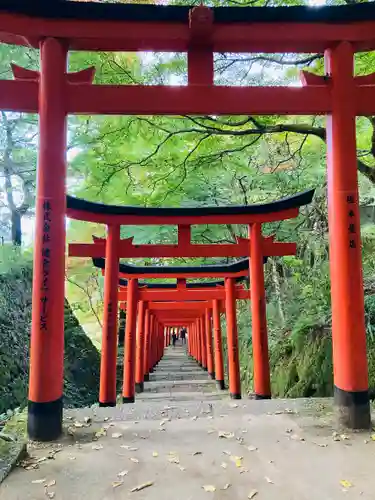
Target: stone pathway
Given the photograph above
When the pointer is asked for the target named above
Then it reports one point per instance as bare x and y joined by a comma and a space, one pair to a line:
183, 446
178, 378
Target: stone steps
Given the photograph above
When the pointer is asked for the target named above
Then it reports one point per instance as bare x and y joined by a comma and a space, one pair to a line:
179, 378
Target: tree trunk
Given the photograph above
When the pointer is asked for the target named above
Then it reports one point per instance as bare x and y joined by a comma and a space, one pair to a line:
16, 228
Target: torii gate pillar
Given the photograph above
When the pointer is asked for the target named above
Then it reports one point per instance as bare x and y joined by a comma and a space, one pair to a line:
45, 404
348, 326
262, 386
146, 355
219, 367
140, 347
210, 357
130, 343
108, 364
232, 339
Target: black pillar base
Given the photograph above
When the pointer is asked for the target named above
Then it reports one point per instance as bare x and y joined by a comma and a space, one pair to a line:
352, 408
262, 396
212, 375
139, 387
107, 404
151, 370
220, 385
130, 399
44, 422
204, 368
146, 377
235, 396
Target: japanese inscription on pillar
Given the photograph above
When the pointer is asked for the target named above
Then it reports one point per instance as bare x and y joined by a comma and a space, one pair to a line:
351, 226
46, 256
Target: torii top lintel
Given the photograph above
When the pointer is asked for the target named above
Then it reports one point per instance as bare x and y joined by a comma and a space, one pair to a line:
284, 208
237, 269
97, 26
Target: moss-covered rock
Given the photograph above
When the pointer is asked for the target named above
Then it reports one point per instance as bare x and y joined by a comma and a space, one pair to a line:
82, 360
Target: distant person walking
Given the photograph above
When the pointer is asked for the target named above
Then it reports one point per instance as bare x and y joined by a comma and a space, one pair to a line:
183, 335
174, 338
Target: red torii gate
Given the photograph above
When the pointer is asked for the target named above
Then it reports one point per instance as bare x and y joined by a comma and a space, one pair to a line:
254, 215
56, 28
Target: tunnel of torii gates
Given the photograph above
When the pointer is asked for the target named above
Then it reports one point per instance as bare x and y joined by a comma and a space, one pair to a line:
56, 27
257, 247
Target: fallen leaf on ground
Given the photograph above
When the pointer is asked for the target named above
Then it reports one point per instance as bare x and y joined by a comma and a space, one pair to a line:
209, 488
226, 452
345, 484
97, 446
194, 418
233, 405
252, 448
344, 437
72, 458
268, 480
223, 465
236, 460
123, 473
42, 459
106, 419
78, 425
252, 494
243, 470
135, 460
142, 486
155, 454
116, 484
133, 449
197, 453
182, 468
116, 435
210, 431
101, 432
50, 494
39, 481
226, 486
226, 435
174, 460
87, 420
51, 483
